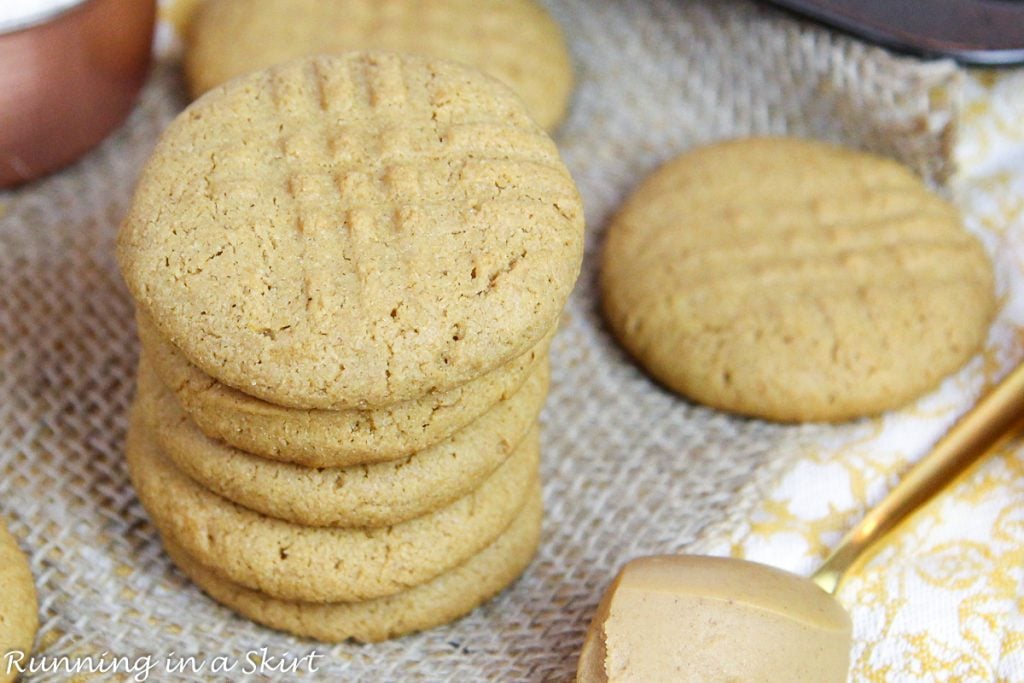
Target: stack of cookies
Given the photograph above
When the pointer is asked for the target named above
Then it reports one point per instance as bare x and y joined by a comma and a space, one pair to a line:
347, 272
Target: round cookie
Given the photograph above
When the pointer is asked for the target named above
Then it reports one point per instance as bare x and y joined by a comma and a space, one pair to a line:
375, 495
442, 599
515, 41
353, 231
331, 438
794, 280
19, 606
317, 564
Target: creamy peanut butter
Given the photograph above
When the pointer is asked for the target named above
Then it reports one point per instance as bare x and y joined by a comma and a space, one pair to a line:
692, 618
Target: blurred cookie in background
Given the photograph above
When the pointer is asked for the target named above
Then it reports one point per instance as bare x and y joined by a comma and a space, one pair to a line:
515, 41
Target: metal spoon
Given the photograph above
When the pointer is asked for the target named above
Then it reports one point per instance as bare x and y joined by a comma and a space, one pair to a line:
698, 618
980, 32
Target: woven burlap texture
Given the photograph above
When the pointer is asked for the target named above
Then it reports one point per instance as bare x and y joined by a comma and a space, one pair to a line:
629, 468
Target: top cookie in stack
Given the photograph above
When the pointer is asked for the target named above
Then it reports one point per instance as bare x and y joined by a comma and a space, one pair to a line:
353, 232
338, 263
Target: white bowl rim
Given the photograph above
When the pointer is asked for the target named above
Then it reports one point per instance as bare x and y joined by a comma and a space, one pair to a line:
47, 11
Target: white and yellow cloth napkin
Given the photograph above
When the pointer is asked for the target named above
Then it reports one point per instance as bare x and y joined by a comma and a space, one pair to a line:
942, 600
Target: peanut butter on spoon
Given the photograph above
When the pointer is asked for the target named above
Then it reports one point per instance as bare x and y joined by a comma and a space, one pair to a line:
697, 618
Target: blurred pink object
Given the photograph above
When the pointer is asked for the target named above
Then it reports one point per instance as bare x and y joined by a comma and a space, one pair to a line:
67, 79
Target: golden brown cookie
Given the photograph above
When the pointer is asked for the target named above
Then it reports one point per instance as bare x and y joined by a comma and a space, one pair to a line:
375, 495
794, 280
318, 564
442, 599
331, 438
19, 606
515, 41
353, 231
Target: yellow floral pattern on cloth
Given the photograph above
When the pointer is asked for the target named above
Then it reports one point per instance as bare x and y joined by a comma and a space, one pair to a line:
943, 599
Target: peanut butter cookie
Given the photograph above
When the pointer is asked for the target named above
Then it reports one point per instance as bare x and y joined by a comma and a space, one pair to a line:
515, 41
374, 495
794, 280
19, 606
442, 599
331, 438
353, 231
323, 564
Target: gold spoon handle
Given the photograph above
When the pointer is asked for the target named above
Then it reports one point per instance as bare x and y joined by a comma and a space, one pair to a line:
977, 433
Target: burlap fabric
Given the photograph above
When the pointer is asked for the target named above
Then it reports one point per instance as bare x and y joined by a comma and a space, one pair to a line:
629, 468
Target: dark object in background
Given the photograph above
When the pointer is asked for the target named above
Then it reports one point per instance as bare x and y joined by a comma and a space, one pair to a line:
67, 80
980, 32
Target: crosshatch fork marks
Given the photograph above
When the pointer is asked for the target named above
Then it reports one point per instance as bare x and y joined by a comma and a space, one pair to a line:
325, 116
795, 281
383, 196
346, 206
